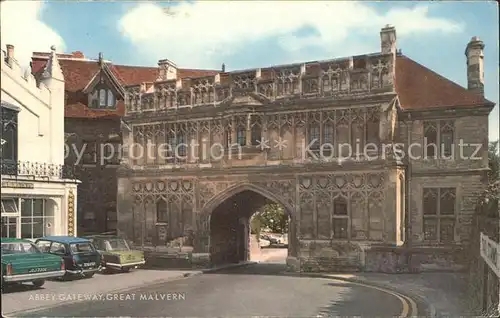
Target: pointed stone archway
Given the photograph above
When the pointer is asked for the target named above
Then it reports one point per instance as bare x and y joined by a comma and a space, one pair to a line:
229, 213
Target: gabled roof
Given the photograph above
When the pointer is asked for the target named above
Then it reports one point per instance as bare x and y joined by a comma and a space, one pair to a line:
421, 88
109, 74
79, 72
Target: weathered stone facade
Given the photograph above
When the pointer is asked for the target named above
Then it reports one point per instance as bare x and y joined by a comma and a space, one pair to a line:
86, 139
344, 214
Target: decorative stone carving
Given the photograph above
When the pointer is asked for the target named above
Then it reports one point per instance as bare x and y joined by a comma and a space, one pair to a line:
283, 189
316, 193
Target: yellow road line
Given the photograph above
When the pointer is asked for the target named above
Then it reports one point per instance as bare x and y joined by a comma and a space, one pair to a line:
408, 310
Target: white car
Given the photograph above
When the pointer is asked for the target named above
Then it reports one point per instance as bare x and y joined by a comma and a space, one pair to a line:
264, 243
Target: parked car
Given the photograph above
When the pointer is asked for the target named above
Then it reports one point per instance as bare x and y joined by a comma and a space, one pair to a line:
22, 262
116, 254
264, 243
79, 255
268, 237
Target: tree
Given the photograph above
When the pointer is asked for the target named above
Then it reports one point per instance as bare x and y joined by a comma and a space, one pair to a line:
273, 217
488, 199
494, 161
255, 225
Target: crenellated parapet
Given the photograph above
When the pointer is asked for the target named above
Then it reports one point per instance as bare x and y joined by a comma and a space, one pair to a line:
343, 78
23, 77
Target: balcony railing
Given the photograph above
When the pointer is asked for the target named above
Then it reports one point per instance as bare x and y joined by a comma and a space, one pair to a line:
35, 170
490, 252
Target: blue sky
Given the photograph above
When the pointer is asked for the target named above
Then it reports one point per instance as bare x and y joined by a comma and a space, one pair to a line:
251, 34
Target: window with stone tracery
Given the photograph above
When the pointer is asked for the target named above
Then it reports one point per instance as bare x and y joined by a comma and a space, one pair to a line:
340, 218
161, 211
181, 146
326, 87
228, 137
314, 136
439, 206
310, 86
343, 143
256, 134
328, 134
438, 139
357, 136
171, 147
372, 131
241, 136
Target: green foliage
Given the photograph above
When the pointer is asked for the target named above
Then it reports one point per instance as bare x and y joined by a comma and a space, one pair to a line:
273, 217
488, 200
494, 161
255, 226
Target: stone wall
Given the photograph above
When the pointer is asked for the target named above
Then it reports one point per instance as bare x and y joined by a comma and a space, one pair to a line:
466, 175
468, 187
98, 190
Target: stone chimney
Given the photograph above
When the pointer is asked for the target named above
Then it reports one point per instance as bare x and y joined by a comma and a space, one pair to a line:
168, 70
388, 39
223, 67
10, 51
78, 54
475, 65
100, 59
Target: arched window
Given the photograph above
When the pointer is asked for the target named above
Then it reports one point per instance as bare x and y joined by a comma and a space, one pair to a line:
161, 211
241, 136
256, 134
340, 218
228, 137
182, 146
314, 136
102, 97
111, 99
430, 140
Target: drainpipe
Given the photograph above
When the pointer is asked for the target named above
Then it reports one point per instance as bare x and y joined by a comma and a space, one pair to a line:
408, 222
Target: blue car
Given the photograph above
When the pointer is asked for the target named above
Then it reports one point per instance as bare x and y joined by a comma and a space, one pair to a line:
81, 259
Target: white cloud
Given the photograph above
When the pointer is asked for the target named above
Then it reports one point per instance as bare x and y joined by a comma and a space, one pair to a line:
21, 27
192, 34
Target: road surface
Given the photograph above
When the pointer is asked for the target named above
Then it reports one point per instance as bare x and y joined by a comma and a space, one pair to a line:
256, 290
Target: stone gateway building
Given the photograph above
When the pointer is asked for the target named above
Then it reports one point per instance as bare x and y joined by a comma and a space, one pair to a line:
201, 154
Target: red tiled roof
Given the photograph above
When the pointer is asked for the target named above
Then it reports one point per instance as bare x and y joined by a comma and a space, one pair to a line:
421, 88
78, 72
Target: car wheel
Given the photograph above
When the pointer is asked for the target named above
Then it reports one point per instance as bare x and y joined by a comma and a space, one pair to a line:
88, 275
125, 269
38, 283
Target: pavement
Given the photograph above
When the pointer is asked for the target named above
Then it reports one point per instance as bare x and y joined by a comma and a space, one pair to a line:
259, 289
444, 294
270, 255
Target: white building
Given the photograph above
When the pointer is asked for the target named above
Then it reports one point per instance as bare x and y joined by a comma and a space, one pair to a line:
38, 193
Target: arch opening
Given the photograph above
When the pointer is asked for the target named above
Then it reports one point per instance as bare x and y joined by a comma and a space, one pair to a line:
233, 239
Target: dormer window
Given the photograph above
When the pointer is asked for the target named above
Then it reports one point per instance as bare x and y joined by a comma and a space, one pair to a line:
102, 98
